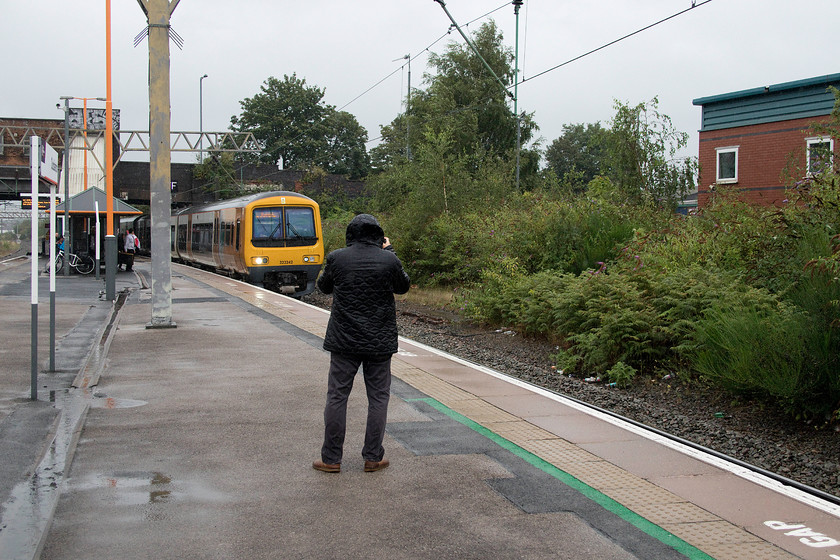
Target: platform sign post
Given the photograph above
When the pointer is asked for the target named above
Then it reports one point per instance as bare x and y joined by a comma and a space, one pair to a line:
52, 278
48, 170
33, 161
43, 161
96, 233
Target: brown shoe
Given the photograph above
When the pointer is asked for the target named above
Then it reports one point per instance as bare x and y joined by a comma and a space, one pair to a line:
326, 467
373, 466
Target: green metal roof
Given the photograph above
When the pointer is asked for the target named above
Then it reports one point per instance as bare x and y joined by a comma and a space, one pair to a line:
780, 102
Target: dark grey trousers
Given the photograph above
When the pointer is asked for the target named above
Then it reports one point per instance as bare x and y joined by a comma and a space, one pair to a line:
377, 375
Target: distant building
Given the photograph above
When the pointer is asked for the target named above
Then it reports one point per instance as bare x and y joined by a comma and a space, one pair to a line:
747, 138
14, 151
86, 165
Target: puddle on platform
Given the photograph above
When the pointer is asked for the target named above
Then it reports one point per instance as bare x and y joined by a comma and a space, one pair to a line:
112, 403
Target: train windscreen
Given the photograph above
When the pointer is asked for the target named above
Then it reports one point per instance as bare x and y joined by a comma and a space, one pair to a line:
278, 226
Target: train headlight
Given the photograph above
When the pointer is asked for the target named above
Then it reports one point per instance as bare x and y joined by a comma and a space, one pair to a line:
259, 260
310, 259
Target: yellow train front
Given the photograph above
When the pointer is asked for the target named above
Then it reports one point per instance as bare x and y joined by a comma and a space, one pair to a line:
270, 238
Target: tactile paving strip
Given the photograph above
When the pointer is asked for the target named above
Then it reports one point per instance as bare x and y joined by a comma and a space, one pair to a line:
481, 411
518, 430
748, 551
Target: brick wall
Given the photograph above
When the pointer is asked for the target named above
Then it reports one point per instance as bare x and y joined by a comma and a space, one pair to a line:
764, 150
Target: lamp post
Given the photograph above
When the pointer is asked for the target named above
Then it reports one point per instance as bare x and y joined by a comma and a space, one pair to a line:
66, 266
201, 118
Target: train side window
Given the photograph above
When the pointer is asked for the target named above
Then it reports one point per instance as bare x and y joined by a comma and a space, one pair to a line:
238, 229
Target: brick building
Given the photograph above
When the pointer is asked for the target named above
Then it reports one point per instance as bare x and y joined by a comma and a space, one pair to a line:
748, 138
14, 151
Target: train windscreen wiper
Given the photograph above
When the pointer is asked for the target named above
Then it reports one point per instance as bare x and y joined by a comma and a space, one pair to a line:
294, 230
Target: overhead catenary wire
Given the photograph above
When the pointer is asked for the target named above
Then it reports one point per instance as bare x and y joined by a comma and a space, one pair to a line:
420, 53
694, 4
475, 50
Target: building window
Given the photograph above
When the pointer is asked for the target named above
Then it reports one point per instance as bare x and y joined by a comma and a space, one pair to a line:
727, 164
820, 152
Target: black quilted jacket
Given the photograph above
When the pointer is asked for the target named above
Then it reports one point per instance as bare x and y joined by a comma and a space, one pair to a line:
363, 278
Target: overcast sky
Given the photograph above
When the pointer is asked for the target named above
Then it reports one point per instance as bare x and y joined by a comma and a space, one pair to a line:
55, 47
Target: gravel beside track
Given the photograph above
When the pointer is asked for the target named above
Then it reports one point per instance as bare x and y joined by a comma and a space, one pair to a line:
758, 435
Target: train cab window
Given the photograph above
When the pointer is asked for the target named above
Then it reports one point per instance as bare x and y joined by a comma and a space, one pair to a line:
291, 226
268, 224
300, 224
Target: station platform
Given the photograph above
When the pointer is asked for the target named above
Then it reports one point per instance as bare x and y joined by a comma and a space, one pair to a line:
197, 442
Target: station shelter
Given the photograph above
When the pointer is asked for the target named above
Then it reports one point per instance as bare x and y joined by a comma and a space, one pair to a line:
82, 213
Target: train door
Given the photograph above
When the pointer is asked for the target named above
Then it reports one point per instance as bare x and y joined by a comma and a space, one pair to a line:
217, 240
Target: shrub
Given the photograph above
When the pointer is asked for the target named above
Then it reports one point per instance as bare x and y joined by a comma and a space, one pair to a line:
773, 353
621, 374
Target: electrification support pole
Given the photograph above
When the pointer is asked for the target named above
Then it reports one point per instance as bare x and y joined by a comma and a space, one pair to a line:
474, 50
158, 13
407, 113
516, 5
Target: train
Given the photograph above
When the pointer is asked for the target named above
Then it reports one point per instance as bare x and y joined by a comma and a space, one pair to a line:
142, 226
273, 239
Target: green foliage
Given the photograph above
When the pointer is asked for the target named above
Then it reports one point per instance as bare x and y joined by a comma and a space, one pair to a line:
640, 156
344, 149
565, 361
334, 227
771, 352
621, 374
578, 154
216, 176
464, 107
290, 120
8, 246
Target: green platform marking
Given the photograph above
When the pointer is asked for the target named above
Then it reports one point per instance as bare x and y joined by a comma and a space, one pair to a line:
596, 496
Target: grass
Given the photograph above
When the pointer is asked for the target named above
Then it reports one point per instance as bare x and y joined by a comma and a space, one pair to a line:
431, 297
8, 247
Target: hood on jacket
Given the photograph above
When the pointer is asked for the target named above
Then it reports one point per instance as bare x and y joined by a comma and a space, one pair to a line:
366, 229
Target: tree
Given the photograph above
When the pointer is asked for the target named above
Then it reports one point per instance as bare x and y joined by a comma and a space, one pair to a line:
578, 154
464, 101
216, 174
290, 120
641, 157
344, 151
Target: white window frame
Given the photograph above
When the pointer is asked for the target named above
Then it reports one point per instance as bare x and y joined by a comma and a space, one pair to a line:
726, 150
817, 140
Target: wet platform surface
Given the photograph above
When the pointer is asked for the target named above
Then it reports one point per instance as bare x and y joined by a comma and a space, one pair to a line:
196, 442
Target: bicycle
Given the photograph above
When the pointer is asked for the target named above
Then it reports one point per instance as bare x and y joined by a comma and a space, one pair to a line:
83, 264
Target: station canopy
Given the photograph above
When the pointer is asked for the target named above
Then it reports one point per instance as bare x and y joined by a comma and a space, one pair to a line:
85, 203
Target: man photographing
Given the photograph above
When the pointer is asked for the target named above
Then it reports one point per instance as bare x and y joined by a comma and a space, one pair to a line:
362, 331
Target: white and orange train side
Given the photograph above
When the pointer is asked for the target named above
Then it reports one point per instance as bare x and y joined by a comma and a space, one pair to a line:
270, 238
